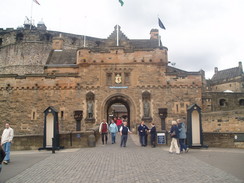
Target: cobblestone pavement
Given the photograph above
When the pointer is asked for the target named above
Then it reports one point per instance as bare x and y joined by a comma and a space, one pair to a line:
112, 163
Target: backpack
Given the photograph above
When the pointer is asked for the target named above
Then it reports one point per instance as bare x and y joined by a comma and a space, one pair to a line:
104, 128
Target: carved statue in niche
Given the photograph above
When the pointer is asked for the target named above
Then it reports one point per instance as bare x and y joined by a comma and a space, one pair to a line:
90, 109
146, 108
146, 102
90, 105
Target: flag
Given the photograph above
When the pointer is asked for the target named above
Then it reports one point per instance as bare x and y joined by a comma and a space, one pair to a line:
36, 2
121, 2
161, 25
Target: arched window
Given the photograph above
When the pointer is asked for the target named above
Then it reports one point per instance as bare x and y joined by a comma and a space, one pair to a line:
241, 102
19, 37
222, 102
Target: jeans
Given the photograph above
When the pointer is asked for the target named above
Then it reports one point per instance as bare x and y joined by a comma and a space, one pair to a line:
123, 140
182, 144
105, 135
6, 148
113, 137
143, 140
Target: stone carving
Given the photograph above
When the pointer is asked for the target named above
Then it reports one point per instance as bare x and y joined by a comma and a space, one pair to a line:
90, 105
90, 109
146, 109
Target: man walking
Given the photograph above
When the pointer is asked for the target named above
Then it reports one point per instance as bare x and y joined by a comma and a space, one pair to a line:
103, 130
142, 129
113, 129
124, 130
7, 137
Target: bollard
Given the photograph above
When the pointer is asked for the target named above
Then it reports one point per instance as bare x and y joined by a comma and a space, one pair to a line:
53, 145
91, 141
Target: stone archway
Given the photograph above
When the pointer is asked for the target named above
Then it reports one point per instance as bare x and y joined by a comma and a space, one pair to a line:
120, 99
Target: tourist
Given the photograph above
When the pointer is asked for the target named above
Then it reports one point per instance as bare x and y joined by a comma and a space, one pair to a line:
142, 129
113, 129
119, 123
174, 133
153, 133
182, 135
103, 130
7, 137
2, 155
124, 130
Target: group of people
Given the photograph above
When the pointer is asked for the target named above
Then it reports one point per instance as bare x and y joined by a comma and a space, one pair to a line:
6, 140
113, 128
143, 134
121, 127
178, 134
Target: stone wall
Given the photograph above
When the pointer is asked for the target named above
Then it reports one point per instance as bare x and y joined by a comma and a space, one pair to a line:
67, 140
223, 121
24, 99
24, 58
212, 101
225, 140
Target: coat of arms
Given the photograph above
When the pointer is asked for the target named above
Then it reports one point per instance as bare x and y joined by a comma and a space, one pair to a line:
118, 79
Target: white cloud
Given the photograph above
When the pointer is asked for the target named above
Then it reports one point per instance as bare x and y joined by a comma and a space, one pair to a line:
200, 34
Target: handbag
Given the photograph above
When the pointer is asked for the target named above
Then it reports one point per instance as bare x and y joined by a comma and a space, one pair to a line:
173, 134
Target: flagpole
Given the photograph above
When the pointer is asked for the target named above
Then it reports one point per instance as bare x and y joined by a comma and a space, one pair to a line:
31, 14
84, 41
117, 35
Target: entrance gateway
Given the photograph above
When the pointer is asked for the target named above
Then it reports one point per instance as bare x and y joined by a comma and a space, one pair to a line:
120, 101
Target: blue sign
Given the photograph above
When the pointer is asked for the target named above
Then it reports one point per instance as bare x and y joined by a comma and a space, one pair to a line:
118, 87
161, 138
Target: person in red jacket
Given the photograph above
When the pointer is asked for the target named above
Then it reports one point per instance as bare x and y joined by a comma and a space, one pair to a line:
103, 130
119, 123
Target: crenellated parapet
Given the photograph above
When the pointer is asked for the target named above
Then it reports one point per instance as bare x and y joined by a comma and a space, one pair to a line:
120, 55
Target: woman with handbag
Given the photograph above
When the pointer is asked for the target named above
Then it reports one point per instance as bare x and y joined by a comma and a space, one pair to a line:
174, 133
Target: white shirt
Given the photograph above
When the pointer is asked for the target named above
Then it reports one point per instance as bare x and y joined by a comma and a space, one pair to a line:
7, 136
121, 128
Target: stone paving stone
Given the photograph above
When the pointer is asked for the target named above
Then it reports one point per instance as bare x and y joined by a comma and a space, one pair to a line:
110, 163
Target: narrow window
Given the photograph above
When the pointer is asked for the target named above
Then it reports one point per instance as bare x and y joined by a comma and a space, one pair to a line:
34, 115
109, 78
62, 115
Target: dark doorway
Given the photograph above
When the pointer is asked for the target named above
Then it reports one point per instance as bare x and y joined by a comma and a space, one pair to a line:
118, 107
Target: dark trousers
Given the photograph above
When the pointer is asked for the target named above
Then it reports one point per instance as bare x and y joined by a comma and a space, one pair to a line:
182, 144
123, 140
105, 137
143, 140
153, 140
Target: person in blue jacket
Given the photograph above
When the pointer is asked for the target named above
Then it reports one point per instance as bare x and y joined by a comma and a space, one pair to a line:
142, 129
113, 129
182, 135
174, 133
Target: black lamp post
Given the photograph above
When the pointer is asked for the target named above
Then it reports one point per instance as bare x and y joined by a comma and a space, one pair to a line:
162, 114
78, 115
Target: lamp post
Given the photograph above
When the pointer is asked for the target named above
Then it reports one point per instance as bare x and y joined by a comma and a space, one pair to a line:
162, 114
78, 115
